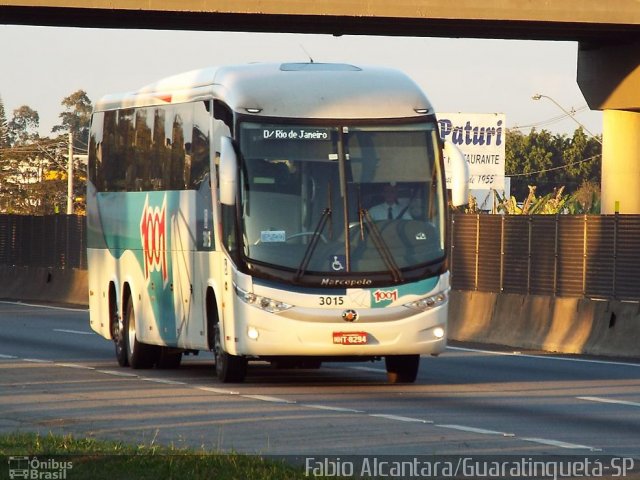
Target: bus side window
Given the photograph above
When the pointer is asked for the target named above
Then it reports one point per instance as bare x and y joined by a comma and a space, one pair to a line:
96, 163
199, 146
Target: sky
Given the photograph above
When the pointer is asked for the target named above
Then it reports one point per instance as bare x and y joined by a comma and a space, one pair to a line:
39, 66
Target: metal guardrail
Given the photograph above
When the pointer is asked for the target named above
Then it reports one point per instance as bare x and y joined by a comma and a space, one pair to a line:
594, 256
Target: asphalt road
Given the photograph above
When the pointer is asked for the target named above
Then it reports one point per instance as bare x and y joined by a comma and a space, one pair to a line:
56, 375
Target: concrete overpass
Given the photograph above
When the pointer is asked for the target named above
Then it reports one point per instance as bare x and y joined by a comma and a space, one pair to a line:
608, 70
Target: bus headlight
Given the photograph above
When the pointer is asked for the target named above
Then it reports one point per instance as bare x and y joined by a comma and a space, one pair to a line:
264, 303
427, 303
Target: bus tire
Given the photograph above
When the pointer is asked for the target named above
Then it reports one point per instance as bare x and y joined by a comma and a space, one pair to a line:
229, 368
140, 355
402, 368
117, 332
168, 358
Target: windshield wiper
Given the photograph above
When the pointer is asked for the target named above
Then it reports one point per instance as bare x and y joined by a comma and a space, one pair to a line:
380, 244
315, 237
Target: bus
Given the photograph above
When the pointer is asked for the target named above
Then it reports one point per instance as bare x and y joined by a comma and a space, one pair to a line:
231, 210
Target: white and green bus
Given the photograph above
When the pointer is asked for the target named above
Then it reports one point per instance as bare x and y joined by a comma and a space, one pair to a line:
233, 210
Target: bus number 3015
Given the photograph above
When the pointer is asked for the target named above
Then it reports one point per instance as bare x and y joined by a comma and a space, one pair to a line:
331, 300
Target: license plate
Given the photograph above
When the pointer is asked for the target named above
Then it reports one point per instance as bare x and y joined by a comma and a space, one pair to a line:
350, 338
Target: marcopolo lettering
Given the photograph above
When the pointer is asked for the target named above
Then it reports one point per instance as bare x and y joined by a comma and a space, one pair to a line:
338, 282
469, 134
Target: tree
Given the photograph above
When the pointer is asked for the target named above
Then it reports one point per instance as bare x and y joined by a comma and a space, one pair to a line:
77, 118
24, 168
4, 129
23, 127
77, 121
550, 161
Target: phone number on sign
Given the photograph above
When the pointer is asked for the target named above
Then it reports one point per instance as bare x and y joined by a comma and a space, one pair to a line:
482, 179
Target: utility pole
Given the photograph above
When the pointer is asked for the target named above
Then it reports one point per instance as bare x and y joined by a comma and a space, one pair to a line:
70, 177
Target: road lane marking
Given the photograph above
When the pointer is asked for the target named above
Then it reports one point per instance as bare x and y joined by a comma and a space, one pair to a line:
216, 390
270, 399
481, 431
610, 400
76, 332
162, 380
75, 365
399, 418
51, 307
560, 444
117, 374
266, 398
333, 409
544, 357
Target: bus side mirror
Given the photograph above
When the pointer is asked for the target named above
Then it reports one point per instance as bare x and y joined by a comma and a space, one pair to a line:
459, 174
228, 172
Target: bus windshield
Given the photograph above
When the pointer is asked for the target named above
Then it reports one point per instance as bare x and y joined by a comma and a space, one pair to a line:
342, 199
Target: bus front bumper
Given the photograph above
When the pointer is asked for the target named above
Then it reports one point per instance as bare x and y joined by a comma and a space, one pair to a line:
300, 332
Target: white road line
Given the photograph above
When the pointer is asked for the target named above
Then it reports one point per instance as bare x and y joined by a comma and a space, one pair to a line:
610, 400
545, 357
163, 381
399, 418
333, 409
8, 357
36, 360
215, 390
51, 307
74, 365
558, 443
481, 431
77, 332
117, 374
266, 398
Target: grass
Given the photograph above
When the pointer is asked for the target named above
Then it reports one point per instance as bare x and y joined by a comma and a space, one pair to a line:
97, 459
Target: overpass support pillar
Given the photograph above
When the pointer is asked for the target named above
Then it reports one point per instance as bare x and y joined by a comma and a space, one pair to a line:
620, 162
609, 77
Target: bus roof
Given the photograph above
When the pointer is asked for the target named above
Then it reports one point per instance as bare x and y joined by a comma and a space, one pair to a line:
293, 90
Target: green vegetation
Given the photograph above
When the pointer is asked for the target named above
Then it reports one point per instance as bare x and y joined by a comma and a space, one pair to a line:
551, 161
564, 170
94, 459
33, 169
585, 200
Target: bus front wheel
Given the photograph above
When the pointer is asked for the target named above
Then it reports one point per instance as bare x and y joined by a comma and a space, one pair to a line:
229, 368
402, 368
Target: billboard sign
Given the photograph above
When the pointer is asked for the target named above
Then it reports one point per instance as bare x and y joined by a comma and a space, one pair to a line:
481, 137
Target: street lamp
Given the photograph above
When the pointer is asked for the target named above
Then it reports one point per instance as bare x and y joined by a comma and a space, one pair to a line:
538, 96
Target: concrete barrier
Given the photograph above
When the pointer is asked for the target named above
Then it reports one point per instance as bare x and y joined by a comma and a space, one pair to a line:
555, 324
65, 286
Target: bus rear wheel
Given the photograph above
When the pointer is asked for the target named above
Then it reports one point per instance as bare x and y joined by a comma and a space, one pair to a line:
229, 368
118, 335
139, 355
402, 368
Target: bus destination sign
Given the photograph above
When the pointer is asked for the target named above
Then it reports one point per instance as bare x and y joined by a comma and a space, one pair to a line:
295, 133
